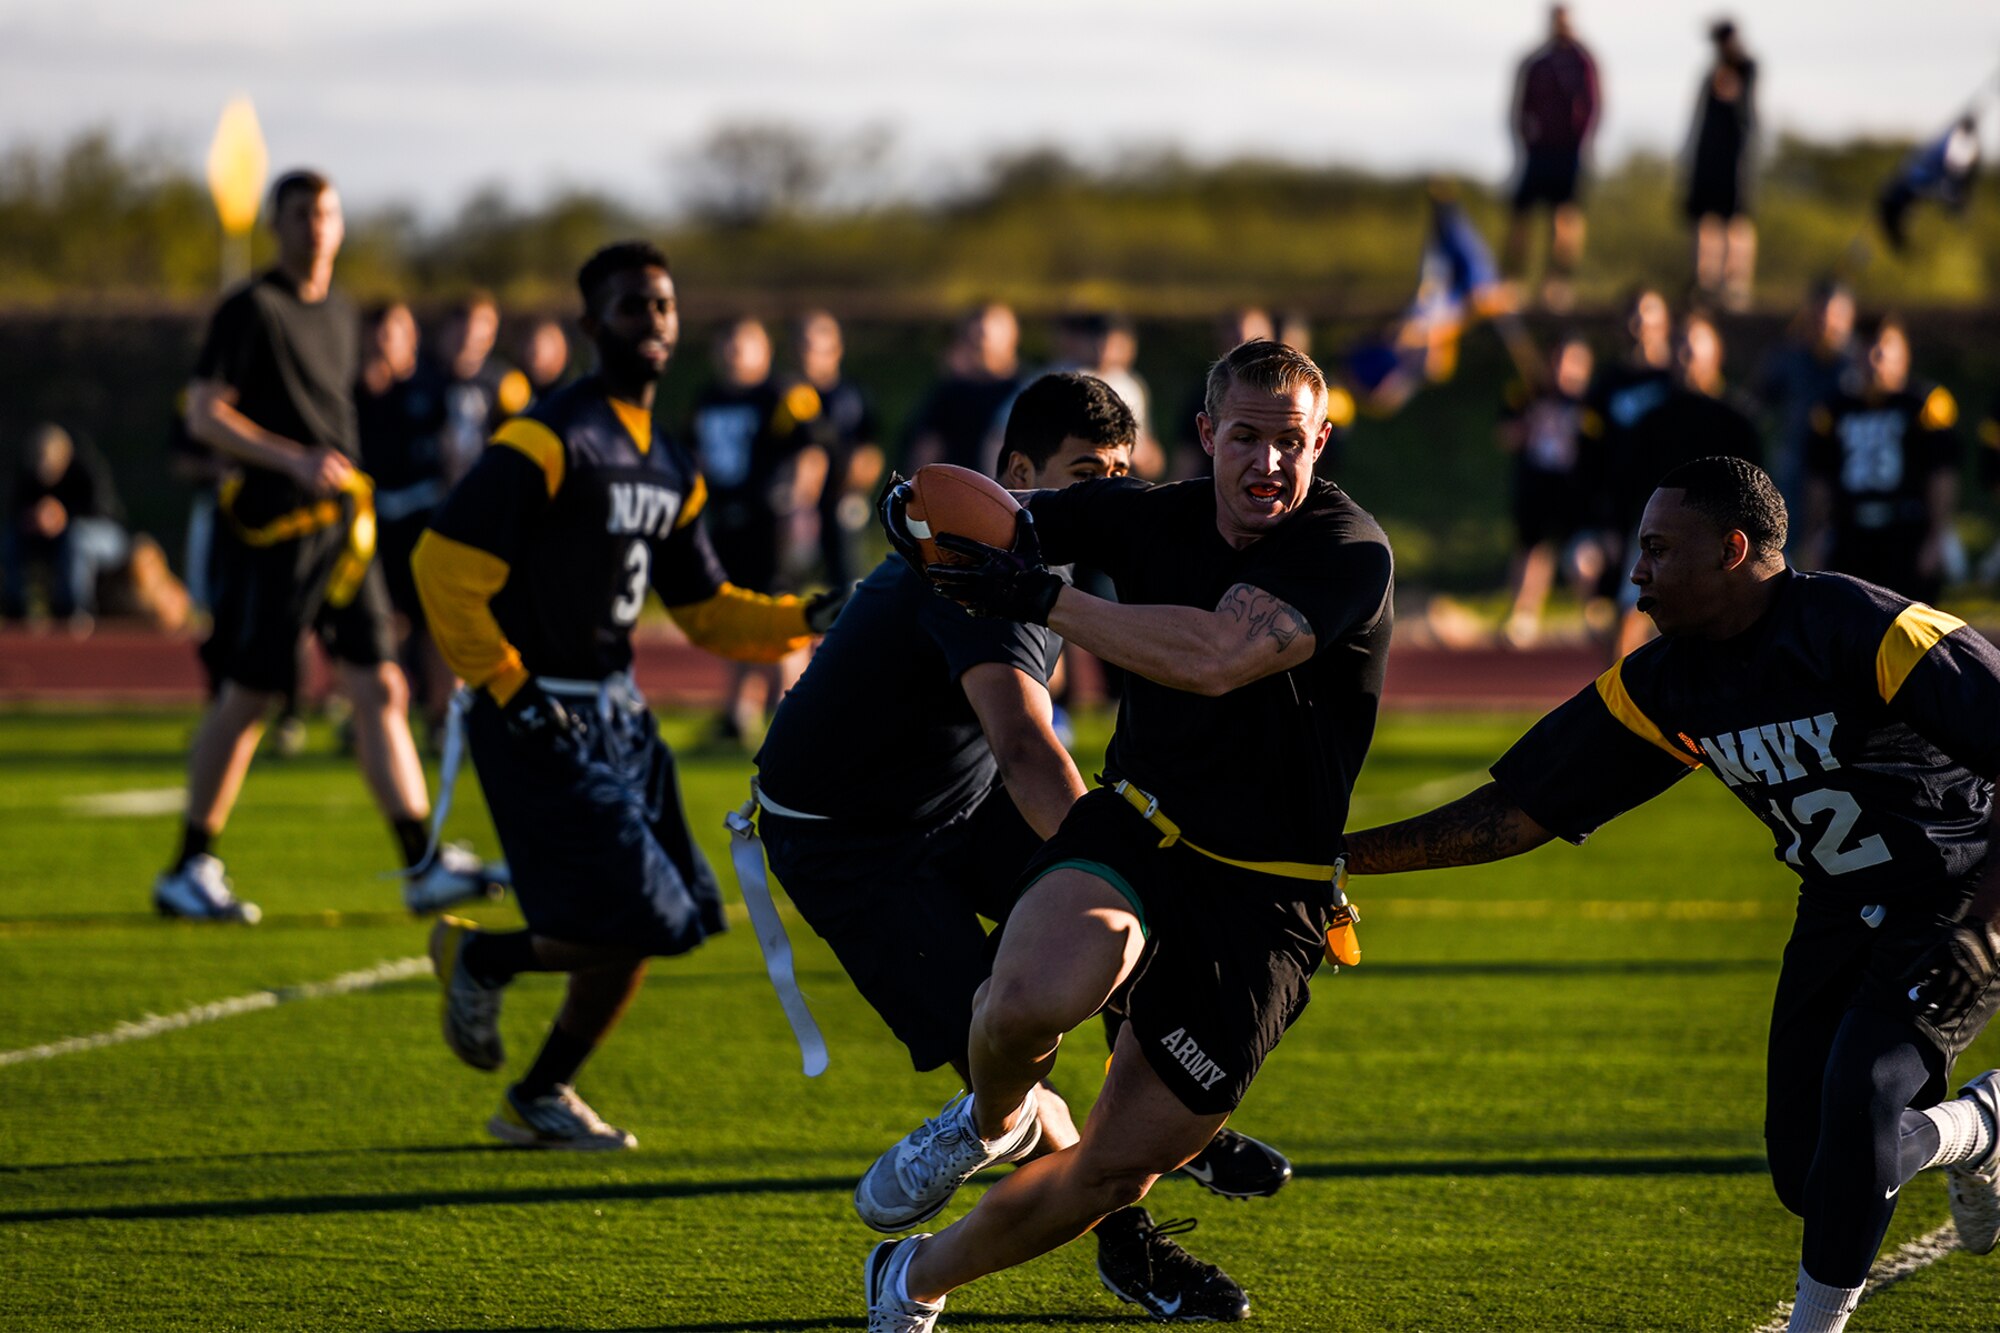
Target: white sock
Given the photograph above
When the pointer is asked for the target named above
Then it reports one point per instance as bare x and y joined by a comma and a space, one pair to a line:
1820, 1308
902, 1286
1964, 1132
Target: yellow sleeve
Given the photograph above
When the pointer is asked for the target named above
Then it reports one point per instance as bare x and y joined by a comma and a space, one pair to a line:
740, 624
456, 583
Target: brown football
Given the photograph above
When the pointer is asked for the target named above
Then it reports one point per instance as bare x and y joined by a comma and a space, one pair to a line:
962, 502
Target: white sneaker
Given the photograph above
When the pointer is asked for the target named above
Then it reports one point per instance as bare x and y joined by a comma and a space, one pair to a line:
454, 876
199, 891
560, 1120
915, 1179
1975, 1189
471, 1007
882, 1278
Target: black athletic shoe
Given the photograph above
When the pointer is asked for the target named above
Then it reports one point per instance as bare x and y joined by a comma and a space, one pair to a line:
1138, 1263
1237, 1166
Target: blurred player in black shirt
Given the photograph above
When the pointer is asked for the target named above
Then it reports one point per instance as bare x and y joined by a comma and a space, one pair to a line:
544, 356
273, 390
1803, 371
1864, 731
465, 389
842, 426
763, 476
1555, 473
1882, 474
533, 573
1253, 619
959, 420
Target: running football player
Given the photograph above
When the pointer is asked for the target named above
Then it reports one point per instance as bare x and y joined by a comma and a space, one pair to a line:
949, 777
1864, 729
533, 574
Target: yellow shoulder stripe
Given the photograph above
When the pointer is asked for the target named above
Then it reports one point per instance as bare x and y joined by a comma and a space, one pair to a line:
638, 423
1910, 636
1339, 407
539, 443
1611, 688
697, 499
1940, 410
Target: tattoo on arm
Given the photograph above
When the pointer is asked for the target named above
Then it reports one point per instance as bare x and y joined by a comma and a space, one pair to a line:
1484, 826
1263, 616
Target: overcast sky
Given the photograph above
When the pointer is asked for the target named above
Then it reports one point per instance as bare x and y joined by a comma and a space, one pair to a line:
421, 100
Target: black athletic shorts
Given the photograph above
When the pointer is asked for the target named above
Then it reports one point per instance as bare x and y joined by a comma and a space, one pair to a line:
394, 544
1228, 952
596, 840
1548, 507
1547, 178
901, 908
264, 597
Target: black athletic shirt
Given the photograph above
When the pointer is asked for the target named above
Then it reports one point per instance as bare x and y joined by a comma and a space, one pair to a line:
963, 412
1265, 772
579, 560
1862, 728
878, 730
743, 437
293, 367
1879, 452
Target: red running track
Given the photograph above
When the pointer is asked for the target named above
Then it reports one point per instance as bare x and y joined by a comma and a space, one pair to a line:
135, 666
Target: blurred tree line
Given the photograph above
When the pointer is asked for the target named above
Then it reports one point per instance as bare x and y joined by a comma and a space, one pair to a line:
775, 216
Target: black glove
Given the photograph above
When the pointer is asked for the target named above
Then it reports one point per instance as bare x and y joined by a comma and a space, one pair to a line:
891, 512
823, 608
1950, 976
538, 721
1012, 584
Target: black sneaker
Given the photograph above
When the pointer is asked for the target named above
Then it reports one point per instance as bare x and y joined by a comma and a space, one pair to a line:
1237, 1166
1138, 1263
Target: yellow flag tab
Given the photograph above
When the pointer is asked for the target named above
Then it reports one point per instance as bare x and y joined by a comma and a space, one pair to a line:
237, 166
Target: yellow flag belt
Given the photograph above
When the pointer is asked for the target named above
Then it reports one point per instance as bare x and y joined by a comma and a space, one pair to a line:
356, 497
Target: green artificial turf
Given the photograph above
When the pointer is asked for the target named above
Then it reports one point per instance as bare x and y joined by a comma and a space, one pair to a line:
1535, 1106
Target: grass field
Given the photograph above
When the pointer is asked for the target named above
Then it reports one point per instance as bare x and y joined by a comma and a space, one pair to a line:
1536, 1106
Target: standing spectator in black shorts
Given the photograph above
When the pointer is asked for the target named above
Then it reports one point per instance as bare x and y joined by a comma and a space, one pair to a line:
1721, 172
1254, 605
949, 775
1543, 428
273, 390
763, 476
1882, 474
534, 572
1554, 111
1863, 730
959, 420
842, 426
398, 414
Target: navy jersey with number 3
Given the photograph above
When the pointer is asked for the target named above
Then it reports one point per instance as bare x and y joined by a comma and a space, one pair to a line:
587, 509
1862, 728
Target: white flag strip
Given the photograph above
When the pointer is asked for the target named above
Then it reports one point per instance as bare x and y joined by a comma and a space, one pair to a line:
746, 854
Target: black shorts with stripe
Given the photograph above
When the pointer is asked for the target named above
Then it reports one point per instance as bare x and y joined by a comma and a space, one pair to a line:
1229, 952
904, 909
264, 597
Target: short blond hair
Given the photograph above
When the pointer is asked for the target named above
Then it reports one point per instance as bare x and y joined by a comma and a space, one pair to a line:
1275, 367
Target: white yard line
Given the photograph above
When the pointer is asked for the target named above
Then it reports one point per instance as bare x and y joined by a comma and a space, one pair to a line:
128, 804
401, 969
1913, 1257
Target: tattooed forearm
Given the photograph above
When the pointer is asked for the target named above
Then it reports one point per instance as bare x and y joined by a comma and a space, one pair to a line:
1263, 616
1484, 826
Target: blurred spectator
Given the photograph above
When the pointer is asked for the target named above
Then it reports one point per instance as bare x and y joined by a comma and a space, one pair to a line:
1542, 427
1623, 395
467, 390
1803, 371
1234, 328
1295, 331
1104, 345
397, 416
959, 420
763, 477
843, 427
1721, 172
1554, 110
1882, 474
63, 519
1696, 419
544, 356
